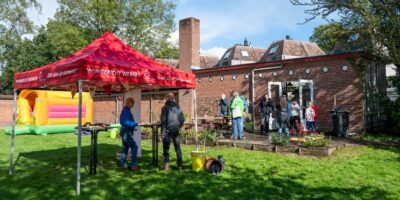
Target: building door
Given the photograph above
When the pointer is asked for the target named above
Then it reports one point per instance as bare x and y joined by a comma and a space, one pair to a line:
306, 95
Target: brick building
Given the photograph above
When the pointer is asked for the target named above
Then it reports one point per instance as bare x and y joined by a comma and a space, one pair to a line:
300, 70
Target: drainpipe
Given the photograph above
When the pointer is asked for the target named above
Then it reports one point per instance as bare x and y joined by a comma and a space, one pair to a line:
252, 90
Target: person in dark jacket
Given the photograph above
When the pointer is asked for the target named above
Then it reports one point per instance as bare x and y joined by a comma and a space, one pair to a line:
171, 122
223, 104
266, 107
282, 116
128, 125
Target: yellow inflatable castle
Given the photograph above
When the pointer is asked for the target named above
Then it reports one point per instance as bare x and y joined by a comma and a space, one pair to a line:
44, 111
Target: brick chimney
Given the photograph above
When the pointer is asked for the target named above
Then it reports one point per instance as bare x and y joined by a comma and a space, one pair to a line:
189, 43
189, 55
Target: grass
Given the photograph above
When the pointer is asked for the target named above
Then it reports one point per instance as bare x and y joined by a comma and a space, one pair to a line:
45, 169
381, 137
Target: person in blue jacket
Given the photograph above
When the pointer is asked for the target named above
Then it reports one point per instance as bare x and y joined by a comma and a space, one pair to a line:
128, 125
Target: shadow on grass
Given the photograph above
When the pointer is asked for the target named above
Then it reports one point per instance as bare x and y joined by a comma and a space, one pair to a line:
50, 174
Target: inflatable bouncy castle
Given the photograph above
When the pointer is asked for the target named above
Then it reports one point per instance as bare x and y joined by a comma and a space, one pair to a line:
44, 111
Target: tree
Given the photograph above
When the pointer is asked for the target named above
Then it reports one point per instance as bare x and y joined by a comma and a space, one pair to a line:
145, 25
377, 25
26, 55
329, 35
13, 24
377, 22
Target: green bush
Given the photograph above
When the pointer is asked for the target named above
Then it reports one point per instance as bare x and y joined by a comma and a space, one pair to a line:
320, 141
280, 140
248, 127
188, 133
392, 117
210, 135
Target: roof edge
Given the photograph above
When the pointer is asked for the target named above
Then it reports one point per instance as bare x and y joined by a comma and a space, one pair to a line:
278, 62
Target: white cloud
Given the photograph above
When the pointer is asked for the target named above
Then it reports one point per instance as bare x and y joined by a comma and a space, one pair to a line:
225, 21
174, 38
214, 51
249, 19
49, 8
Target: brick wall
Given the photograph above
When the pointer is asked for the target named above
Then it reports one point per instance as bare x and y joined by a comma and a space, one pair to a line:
156, 101
6, 107
346, 85
105, 109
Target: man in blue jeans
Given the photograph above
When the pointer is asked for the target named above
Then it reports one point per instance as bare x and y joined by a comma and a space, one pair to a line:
128, 125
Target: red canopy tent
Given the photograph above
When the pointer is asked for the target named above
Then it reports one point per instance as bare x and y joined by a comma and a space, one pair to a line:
106, 61
107, 64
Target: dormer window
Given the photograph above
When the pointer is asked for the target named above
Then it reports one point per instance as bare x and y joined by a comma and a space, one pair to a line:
227, 54
273, 49
245, 54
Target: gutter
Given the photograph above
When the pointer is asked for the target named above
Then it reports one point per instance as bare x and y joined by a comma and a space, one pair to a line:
280, 62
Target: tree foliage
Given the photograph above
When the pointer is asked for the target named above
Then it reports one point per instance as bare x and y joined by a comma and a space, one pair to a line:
377, 25
145, 25
329, 35
14, 23
377, 22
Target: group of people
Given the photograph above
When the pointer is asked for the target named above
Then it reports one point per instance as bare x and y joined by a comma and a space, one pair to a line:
287, 114
172, 120
237, 108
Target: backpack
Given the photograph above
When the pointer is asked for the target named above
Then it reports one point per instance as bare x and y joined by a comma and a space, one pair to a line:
173, 119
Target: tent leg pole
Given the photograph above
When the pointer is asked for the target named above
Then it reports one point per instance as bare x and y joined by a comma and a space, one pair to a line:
195, 119
78, 164
13, 132
253, 101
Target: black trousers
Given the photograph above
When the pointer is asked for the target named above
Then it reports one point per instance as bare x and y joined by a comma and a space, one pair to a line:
264, 123
167, 136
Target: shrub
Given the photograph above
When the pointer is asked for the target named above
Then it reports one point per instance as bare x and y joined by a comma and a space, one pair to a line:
392, 114
188, 133
280, 140
317, 141
248, 127
209, 135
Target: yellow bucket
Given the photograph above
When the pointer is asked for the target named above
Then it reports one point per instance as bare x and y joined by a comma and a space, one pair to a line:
113, 133
198, 160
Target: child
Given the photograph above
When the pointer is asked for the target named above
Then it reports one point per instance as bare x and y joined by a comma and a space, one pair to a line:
310, 117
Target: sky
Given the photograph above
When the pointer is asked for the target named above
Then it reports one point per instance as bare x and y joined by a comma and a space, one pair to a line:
224, 23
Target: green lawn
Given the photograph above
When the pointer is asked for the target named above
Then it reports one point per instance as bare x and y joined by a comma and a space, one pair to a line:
45, 169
